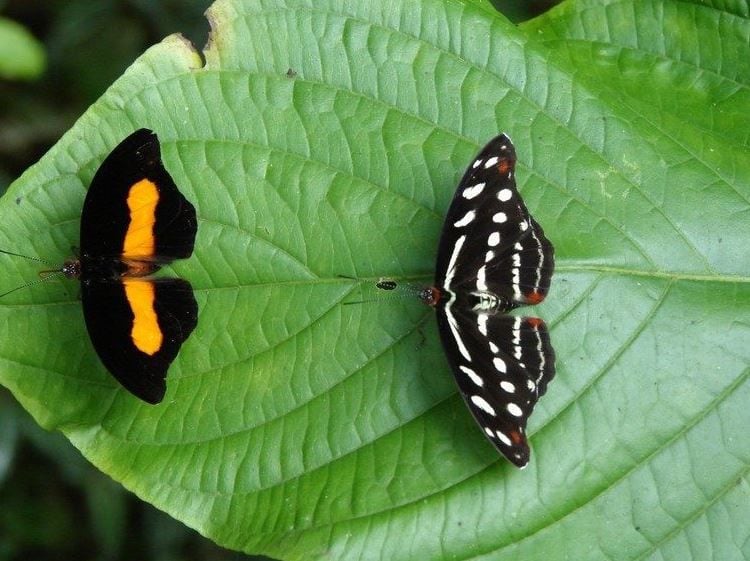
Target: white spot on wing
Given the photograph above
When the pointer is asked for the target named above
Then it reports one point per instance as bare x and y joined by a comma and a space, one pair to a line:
516, 276
482, 324
493, 239
540, 253
508, 386
490, 162
489, 256
473, 376
452, 323
473, 191
500, 365
500, 217
516, 340
452, 262
504, 439
482, 404
504, 195
514, 410
454, 330
482, 279
540, 354
467, 219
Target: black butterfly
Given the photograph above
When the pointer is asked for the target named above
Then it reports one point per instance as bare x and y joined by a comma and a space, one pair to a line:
493, 257
134, 221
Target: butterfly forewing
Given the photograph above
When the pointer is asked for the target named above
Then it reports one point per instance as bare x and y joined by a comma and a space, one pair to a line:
489, 236
106, 212
493, 256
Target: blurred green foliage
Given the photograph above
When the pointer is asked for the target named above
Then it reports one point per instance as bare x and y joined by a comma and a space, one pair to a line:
88, 45
55, 504
21, 56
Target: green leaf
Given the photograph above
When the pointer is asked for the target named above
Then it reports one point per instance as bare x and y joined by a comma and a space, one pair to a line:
21, 55
306, 429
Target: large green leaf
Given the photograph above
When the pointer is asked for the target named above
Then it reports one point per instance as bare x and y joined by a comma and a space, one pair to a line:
322, 140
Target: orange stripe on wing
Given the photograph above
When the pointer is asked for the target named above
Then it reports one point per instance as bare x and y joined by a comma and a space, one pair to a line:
139, 239
145, 333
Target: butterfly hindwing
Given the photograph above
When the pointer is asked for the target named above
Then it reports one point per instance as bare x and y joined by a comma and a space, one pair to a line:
119, 322
502, 365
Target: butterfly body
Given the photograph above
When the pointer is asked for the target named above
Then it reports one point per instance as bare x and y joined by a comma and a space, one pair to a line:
88, 269
492, 258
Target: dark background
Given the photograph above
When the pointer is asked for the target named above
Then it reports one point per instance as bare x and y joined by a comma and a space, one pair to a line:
53, 504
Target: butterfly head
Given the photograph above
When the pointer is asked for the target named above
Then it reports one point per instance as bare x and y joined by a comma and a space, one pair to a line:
71, 268
430, 295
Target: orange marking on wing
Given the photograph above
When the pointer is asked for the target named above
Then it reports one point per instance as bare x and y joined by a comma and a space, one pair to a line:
534, 297
145, 333
534, 322
504, 166
516, 438
139, 239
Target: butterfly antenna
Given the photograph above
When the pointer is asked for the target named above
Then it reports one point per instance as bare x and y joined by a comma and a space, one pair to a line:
29, 257
43, 276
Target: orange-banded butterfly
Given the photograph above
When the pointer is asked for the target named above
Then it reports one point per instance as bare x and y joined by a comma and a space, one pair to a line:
134, 220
